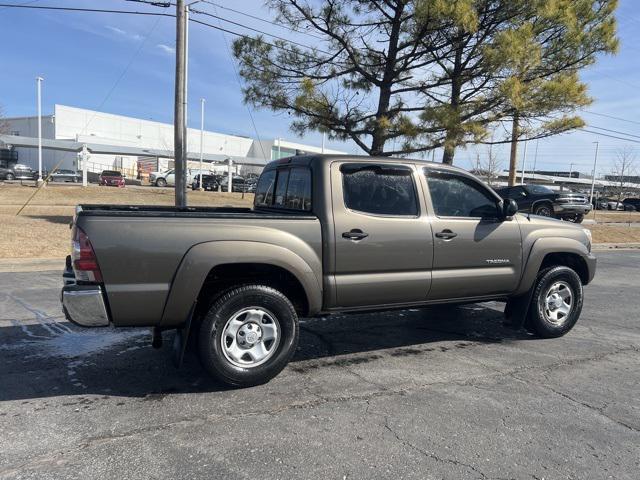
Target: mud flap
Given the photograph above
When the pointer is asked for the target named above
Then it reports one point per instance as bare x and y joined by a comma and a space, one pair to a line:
181, 339
517, 310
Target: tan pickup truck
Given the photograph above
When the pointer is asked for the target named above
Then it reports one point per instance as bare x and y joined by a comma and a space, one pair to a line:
326, 234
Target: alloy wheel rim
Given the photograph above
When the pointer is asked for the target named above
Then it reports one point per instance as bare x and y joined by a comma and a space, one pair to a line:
250, 337
558, 303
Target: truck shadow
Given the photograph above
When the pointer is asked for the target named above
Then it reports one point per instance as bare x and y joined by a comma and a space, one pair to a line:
58, 359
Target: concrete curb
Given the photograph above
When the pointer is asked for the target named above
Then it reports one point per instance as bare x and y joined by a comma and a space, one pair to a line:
15, 265
616, 246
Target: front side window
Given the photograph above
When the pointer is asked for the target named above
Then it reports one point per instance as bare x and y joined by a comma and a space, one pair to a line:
455, 195
379, 189
264, 189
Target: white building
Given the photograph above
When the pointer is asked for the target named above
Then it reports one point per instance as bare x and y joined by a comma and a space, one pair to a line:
81, 125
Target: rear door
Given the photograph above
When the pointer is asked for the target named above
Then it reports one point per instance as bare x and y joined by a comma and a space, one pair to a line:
475, 253
382, 238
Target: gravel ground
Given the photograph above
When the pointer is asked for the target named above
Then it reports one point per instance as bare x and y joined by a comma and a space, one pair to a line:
423, 393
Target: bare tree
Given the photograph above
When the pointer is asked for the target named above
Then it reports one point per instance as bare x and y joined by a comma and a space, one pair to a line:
624, 166
489, 166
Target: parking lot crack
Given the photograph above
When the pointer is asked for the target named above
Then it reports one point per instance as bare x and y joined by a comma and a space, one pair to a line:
430, 455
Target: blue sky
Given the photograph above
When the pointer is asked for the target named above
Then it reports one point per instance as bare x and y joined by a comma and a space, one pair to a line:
124, 64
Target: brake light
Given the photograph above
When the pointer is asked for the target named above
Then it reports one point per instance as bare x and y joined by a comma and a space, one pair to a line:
83, 258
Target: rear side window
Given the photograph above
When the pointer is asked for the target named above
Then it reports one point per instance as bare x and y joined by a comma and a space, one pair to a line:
281, 188
458, 196
299, 189
379, 189
288, 188
264, 189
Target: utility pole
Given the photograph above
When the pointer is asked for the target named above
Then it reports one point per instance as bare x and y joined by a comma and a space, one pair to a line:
201, 139
180, 118
535, 160
39, 90
323, 137
593, 180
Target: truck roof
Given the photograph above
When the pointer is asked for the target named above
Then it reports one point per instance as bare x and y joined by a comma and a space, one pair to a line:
318, 160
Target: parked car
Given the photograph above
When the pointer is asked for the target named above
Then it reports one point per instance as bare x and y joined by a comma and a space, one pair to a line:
238, 183
18, 172
65, 176
540, 200
326, 234
631, 203
209, 182
112, 178
163, 179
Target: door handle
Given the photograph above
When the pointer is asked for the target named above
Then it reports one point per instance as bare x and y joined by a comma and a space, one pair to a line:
355, 234
446, 234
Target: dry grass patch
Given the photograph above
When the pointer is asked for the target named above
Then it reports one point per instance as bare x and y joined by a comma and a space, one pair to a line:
601, 216
42, 229
611, 234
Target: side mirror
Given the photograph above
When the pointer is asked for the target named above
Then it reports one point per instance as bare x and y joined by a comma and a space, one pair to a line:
509, 208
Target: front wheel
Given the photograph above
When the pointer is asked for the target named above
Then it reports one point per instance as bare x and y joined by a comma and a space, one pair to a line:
248, 335
544, 210
161, 182
10, 176
577, 218
556, 303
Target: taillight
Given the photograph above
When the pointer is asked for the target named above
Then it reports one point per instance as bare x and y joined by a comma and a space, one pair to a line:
83, 258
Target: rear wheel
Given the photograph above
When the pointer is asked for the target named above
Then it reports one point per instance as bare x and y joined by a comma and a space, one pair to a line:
544, 210
556, 303
248, 335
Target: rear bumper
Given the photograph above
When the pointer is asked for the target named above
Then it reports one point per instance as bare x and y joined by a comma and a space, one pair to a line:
83, 304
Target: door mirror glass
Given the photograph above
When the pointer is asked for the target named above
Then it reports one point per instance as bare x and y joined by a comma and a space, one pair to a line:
509, 208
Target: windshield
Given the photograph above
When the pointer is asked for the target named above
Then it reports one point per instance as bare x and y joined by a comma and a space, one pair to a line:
539, 190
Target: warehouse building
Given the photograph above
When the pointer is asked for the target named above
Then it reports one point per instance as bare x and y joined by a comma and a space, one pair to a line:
78, 125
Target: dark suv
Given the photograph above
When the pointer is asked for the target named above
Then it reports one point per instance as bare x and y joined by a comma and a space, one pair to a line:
541, 200
631, 204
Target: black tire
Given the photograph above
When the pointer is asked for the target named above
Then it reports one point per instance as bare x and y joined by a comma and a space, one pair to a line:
544, 209
578, 218
538, 319
161, 182
10, 176
225, 307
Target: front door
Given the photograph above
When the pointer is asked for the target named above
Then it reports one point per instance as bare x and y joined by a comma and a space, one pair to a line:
383, 242
475, 252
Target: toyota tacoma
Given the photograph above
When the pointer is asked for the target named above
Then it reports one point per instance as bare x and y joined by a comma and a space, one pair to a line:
326, 234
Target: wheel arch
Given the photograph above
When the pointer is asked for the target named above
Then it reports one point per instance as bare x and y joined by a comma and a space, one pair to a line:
535, 204
212, 267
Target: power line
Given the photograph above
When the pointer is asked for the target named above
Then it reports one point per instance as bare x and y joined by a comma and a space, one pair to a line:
610, 136
270, 22
237, 75
612, 117
614, 131
79, 9
202, 12
23, 4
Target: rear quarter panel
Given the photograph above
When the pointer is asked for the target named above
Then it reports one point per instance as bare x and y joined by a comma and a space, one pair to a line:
139, 256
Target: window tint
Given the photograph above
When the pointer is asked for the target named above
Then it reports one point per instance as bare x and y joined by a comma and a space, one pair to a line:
458, 196
539, 190
299, 190
379, 189
281, 188
264, 190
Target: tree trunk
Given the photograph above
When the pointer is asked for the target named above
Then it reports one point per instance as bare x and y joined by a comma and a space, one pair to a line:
449, 150
513, 158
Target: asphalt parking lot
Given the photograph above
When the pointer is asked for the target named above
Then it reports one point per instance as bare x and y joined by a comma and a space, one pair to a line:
424, 393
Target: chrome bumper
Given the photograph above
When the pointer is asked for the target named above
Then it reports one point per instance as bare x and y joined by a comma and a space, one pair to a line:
84, 305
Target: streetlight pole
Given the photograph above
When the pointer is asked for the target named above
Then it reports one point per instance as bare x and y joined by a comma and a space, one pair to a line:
202, 100
179, 120
524, 161
535, 160
39, 90
593, 179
